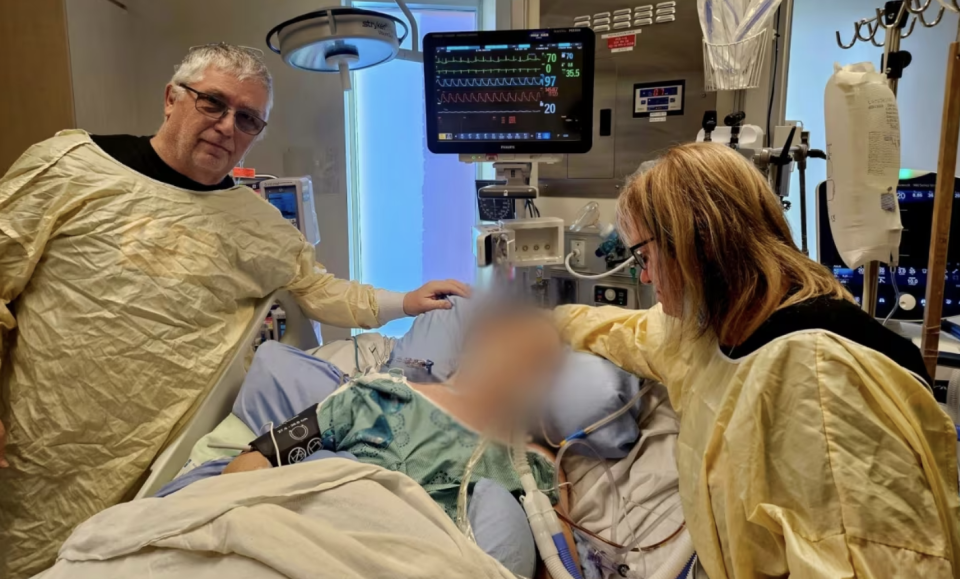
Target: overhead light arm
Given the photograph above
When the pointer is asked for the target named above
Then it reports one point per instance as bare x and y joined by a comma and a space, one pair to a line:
414, 54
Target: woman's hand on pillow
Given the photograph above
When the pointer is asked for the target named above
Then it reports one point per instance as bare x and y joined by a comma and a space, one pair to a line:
432, 296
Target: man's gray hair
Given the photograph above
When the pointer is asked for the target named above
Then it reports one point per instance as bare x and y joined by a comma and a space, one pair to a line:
240, 61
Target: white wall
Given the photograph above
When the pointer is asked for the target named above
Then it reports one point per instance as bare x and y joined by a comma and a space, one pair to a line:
920, 95
135, 51
103, 67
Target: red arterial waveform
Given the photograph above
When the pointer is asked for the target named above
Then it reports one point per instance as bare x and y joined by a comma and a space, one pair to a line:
525, 96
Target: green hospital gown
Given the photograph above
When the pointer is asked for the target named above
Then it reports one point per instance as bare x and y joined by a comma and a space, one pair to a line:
383, 421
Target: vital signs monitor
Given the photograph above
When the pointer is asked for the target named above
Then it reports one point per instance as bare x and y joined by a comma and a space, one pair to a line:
509, 91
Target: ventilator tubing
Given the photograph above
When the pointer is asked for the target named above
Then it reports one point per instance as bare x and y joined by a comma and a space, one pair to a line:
615, 507
547, 532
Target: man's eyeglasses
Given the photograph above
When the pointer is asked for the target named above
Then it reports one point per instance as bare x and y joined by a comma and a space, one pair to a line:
640, 257
212, 107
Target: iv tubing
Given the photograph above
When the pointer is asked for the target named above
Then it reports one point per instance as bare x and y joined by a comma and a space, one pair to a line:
577, 438
463, 522
614, 499
605, 421
627, 548
617, 269
584, 432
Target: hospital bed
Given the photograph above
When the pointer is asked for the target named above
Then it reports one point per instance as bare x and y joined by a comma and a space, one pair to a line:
649, 484
219, 400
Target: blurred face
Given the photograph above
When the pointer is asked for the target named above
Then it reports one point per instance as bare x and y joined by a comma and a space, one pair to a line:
513, 359
202, 148
656, 273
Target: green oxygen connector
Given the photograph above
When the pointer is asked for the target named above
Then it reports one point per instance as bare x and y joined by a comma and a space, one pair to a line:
633, 272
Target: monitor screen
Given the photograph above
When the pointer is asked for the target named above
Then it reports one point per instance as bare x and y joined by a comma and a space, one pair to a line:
285, 200
915, 193
514, 91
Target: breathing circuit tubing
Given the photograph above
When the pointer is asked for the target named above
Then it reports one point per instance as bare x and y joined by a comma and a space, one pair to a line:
547, 532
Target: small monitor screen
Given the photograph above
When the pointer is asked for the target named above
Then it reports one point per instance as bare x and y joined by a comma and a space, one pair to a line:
510, 91
285, 200
915, 195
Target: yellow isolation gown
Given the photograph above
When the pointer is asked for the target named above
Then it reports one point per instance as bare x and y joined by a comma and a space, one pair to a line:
120, 300
811, 457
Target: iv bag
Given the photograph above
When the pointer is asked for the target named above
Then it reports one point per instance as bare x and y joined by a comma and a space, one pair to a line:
863, 165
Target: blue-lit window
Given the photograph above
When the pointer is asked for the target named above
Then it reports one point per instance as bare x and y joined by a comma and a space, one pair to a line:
412, 211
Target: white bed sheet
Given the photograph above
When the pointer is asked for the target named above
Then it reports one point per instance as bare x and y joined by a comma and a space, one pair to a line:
647, 479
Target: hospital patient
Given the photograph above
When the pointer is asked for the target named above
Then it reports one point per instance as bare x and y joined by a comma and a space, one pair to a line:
429, 431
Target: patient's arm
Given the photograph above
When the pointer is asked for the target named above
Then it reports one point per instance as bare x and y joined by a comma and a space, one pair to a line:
246, 462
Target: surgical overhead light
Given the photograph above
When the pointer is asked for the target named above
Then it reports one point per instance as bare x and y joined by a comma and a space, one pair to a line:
341, 39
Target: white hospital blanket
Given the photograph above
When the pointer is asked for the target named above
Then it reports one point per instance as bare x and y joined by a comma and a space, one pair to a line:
647, 478
332, 518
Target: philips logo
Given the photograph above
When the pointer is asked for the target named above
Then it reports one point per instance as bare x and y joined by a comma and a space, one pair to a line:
507, 147
374, 25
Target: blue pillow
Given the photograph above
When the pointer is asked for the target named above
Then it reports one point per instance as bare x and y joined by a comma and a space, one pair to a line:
436, 336
501, 528
589, 388
281, 382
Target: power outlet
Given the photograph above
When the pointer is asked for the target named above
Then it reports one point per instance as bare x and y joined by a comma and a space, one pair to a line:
578, 260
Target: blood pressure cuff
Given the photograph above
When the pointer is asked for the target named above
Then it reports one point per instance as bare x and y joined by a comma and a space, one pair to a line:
296, 439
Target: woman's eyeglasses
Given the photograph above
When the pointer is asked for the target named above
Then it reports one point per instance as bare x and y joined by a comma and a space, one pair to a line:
214, 108
640, 257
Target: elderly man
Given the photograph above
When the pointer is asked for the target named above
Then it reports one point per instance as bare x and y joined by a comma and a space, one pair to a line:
129, 268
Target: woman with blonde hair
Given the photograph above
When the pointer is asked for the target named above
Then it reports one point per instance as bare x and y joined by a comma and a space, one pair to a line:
810, 444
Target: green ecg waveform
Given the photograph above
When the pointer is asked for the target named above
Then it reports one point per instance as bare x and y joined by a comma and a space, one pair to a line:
524, 58
489, 70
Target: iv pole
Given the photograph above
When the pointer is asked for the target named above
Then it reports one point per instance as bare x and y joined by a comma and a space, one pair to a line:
942, 208
892, 19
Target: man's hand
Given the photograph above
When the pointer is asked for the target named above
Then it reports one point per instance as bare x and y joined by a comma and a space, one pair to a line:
431, 297
3, 447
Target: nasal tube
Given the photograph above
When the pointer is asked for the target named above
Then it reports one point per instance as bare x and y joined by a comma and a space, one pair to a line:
547, 532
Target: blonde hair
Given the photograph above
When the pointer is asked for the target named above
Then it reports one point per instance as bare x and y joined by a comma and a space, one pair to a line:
721, 236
